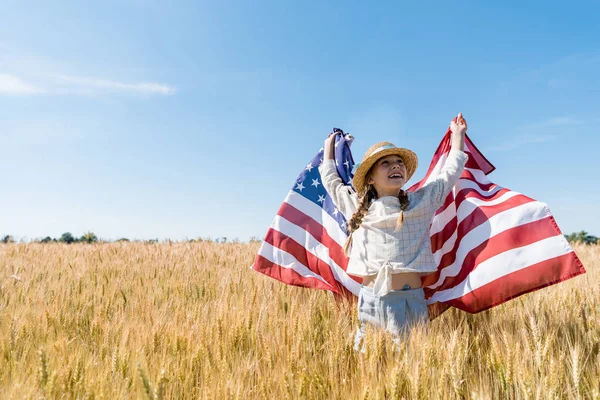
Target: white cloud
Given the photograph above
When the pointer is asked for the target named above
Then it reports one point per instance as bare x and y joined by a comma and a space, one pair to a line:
94, 85
73, 85
521, 141
13, 85
563, 121
538, 132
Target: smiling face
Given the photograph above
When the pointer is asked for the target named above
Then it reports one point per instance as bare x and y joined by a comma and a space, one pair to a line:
388, 175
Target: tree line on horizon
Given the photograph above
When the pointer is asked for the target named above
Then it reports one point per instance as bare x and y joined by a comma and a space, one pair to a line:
90, 237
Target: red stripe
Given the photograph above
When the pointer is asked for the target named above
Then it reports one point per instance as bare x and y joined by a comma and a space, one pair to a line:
486, 187
471, 162
520, 282
469, 192
318, 231
482, 163
519, 236
449, 200
468, 175
306, 258
438, 239
286, 275
443, 148
476, 160
477, 217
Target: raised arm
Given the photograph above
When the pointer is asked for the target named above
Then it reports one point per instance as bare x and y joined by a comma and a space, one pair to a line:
343, 196
455, 163
458, 126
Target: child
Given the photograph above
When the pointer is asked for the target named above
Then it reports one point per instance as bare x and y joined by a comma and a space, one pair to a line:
388, 241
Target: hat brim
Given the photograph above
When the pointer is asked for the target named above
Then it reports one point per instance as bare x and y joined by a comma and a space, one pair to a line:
409, 158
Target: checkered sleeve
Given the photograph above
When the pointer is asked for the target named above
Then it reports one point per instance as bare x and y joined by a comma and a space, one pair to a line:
448, 176
343, 196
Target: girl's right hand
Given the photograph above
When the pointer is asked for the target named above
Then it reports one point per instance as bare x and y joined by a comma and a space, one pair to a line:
330, 139
328, 146
458, 125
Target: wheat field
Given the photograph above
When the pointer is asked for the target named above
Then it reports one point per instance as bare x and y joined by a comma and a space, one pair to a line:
191, 320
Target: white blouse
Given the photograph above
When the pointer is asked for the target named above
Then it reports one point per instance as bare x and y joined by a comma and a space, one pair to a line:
376, 247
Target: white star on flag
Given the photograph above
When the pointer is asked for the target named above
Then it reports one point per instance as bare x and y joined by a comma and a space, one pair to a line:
300, 186
315, 183
321, 198
309, 167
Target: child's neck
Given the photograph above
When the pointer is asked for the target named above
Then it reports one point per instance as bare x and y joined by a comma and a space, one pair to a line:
388, 193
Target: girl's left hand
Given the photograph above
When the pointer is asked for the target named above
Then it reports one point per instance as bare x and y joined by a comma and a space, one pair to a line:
459, 125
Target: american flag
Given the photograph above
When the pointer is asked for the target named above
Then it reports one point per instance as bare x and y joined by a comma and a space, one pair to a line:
304, 244
490, 244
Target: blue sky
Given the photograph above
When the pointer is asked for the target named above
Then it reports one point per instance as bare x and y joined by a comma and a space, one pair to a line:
155, 119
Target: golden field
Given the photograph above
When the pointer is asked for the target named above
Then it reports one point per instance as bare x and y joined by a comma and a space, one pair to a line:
191, 320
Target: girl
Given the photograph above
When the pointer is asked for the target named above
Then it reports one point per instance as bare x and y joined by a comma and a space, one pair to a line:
388, 243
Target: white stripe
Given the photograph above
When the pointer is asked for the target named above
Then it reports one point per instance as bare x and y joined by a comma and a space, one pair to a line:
505, 263
479, 176
317, 249
466, 208
318, 214
441, 220
286, 260
463, 184
511, 218
437, 169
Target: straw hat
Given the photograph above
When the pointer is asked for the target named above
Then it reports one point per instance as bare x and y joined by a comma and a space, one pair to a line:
380, 150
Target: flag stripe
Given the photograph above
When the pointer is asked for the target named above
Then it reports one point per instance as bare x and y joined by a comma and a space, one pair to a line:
505, 263
475, 219
514, 237
509, 286
308, 233
467, 188
316, 230
476, 161
439, 158
498, 223
286, 274
320, 251
471, 217
471, 200
288, 261
478, 158
316, 213
306, 258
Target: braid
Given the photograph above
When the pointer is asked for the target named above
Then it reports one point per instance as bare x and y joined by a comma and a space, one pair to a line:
403, 197
363, 207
